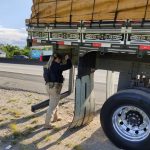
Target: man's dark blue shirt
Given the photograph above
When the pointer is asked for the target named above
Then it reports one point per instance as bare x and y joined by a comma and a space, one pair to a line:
56, 70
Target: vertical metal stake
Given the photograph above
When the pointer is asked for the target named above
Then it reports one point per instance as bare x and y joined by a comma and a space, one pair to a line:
109, 84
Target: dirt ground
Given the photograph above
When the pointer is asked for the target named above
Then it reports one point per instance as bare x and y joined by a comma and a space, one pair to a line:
23, 130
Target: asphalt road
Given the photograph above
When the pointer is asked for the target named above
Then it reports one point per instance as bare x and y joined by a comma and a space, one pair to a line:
100, 75
29, 78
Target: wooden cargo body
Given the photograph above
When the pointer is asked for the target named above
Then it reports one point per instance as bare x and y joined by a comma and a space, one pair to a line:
50, 11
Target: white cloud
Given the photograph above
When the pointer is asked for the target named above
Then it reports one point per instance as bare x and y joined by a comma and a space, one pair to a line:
13, 36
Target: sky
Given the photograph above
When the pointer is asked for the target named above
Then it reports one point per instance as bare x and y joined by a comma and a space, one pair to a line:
12, 21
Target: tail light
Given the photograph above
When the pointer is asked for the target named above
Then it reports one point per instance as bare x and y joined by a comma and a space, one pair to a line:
96, 44
41, 58
144, 47
60, 42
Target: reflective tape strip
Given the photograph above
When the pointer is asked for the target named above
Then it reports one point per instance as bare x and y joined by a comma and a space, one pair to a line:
105, 45
67, 43
144, 47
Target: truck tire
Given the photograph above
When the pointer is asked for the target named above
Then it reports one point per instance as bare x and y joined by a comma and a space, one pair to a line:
125, 119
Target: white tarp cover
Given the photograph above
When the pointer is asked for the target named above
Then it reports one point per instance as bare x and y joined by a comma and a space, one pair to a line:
49, 11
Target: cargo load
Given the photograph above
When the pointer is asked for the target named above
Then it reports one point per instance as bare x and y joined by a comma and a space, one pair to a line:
50, 11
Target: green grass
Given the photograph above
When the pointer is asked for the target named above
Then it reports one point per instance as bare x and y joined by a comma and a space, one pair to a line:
30, 117
29, 95
12, 100
77, 147
34, 121
13, 127
2, 119
58, 142
57, 129
84, 137
5, 139
47, 138
28, 130
14, 142
29, 102
69, 145
15, 113
16, 132
2, 125
37, 98
4, 109
26, 147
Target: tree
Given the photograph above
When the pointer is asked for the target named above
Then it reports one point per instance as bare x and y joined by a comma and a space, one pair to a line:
15, 50
26, 51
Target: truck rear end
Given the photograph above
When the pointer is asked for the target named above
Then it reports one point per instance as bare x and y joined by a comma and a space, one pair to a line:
113, 35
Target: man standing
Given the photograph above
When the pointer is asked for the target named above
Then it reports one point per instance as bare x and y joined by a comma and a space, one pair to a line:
54, 87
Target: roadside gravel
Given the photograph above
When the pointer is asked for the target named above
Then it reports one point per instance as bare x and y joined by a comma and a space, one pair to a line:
23, 130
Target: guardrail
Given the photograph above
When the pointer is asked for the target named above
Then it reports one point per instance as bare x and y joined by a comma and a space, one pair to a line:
22, 61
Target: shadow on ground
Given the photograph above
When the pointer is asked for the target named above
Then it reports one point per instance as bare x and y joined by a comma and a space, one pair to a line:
17, 138
97, 141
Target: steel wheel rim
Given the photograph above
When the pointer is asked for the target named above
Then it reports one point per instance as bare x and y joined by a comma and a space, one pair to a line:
131, 123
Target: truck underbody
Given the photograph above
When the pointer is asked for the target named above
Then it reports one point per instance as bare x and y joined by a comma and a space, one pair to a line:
122, 46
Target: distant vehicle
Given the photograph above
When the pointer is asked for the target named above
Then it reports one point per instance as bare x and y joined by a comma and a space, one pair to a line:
20, 57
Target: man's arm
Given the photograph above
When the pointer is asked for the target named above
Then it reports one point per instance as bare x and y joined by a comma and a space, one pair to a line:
66, 66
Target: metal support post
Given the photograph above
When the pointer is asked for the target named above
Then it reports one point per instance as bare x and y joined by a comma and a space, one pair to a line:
84, 101
109, 84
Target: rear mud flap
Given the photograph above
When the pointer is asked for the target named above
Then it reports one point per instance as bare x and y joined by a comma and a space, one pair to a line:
84, 101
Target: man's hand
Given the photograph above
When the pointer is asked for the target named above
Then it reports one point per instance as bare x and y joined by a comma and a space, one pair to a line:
66, 57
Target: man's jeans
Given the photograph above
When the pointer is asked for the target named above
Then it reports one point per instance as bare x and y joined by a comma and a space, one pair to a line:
53, 90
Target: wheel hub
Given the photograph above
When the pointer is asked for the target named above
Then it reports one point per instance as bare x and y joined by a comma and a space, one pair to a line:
134, 118
131, 123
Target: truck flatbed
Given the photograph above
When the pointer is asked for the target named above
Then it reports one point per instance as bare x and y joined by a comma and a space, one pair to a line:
132, 37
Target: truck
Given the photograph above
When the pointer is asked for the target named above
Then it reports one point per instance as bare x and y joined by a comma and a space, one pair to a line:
112, 35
